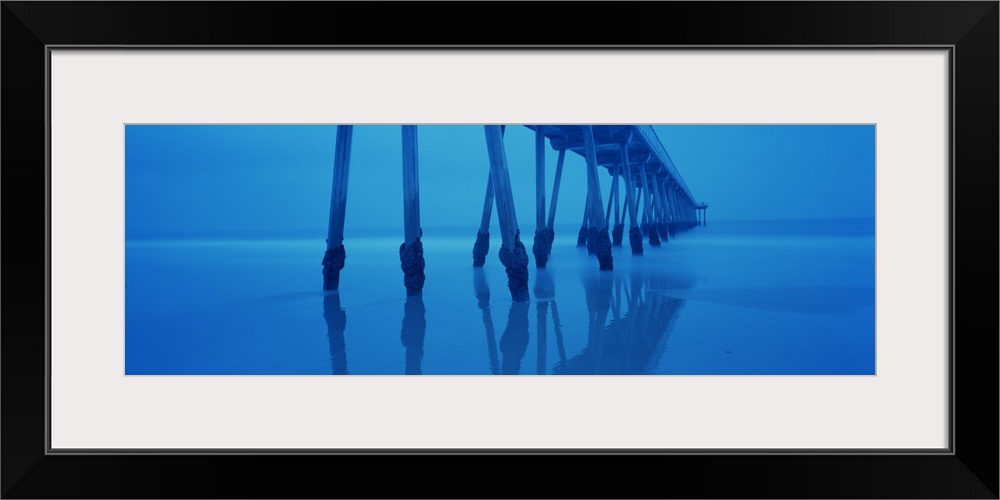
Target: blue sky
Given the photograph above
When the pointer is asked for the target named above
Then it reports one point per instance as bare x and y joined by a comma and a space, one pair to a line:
212, 178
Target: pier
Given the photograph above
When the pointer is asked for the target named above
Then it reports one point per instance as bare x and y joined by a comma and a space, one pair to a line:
657, 202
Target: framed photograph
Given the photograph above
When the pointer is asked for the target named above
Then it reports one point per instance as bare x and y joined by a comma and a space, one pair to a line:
731, 251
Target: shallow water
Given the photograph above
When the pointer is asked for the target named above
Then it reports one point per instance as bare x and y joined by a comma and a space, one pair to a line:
725, 298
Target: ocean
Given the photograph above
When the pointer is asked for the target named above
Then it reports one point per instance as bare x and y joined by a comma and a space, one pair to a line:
726, 298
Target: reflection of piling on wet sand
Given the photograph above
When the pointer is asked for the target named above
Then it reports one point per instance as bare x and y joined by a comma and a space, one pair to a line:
483, 299
545, 293
542, 309
631, 343
412, 333
336, 321
514, 342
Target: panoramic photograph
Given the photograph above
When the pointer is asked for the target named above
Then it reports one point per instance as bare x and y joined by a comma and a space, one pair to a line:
457, 250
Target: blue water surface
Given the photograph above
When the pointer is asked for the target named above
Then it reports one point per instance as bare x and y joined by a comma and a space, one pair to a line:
727, 298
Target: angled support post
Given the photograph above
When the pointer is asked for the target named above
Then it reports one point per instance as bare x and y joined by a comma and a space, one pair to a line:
618, 229
482, 246
661, 210
675, 210
611, 200
513, 256
598, 225
654, 239
555, 189
670, 197
634, 235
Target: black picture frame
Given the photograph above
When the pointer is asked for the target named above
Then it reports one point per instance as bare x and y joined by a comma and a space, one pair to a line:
969, 28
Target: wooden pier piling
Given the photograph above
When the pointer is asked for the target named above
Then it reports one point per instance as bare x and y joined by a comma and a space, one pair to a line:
482, 246
668, 207
599, 226
543, 235
555, 189
634, 235
513, 256
654, 239
661, 210
411, 252
674, 208
617, 230
632, 154
333, 259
